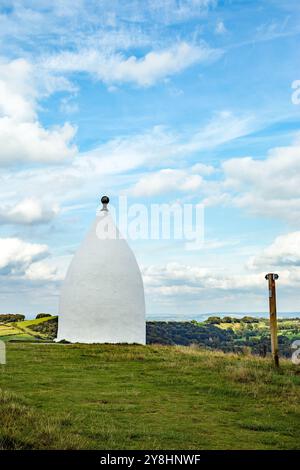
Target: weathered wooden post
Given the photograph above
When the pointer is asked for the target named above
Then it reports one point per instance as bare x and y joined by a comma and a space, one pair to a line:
271, 277
2, 352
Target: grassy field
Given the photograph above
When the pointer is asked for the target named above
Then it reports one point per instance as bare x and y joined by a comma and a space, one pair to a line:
287, 327
145, 397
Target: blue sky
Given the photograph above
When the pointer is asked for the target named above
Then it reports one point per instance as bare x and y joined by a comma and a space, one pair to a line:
141, 98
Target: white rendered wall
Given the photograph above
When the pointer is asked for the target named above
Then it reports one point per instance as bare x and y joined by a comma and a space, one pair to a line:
102, 297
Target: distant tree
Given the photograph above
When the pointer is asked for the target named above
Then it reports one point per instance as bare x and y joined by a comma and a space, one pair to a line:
248, 319
215, 320
43, 315
11, 317
228, 320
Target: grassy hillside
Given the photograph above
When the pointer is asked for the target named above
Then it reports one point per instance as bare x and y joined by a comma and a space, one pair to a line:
229, 334
145, 397
26, 330
233, 335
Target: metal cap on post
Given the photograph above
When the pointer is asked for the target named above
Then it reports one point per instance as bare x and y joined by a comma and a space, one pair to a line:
271, 278
105, 201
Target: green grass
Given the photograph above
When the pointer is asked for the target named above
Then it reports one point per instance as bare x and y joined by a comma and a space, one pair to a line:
17, 337
146, 397
263, 325
23, 427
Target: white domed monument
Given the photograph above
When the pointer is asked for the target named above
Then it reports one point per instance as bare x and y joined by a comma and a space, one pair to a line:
102, 297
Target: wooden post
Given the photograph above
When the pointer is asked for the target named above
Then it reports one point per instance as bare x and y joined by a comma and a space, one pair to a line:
273, 316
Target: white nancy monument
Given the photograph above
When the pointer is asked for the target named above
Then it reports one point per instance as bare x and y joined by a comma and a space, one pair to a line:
102, 297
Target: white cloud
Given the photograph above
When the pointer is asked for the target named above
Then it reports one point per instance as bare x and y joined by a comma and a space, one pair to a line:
223, 127
161, 146
53, 268
16, 255
282, 253
176, 285
17, 95
181, 288
201, 285
144, 71
216, 198
171, 179
22, 261
203, 169
30, 142
28, 211
269, 187
30, 19
22, 137
165, 181
158, 147
170, 147
176, 279
41, 271
173, 11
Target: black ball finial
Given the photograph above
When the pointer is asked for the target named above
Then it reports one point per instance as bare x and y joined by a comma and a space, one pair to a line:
105, 199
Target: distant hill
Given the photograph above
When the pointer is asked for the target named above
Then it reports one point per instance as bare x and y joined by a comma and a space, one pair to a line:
228, 334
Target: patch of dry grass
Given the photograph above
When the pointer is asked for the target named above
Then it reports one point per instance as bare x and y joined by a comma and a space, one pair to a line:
22, 427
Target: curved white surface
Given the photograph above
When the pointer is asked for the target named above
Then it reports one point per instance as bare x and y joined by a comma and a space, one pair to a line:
102, 297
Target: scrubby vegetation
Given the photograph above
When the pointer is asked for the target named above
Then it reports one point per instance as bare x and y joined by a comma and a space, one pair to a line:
145, 397
11, 317
227, 334
43, 315
47, 328
187, 333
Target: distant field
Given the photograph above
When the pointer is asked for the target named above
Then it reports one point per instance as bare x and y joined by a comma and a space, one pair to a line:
233, 335
6, 330
145, 397
22, 330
